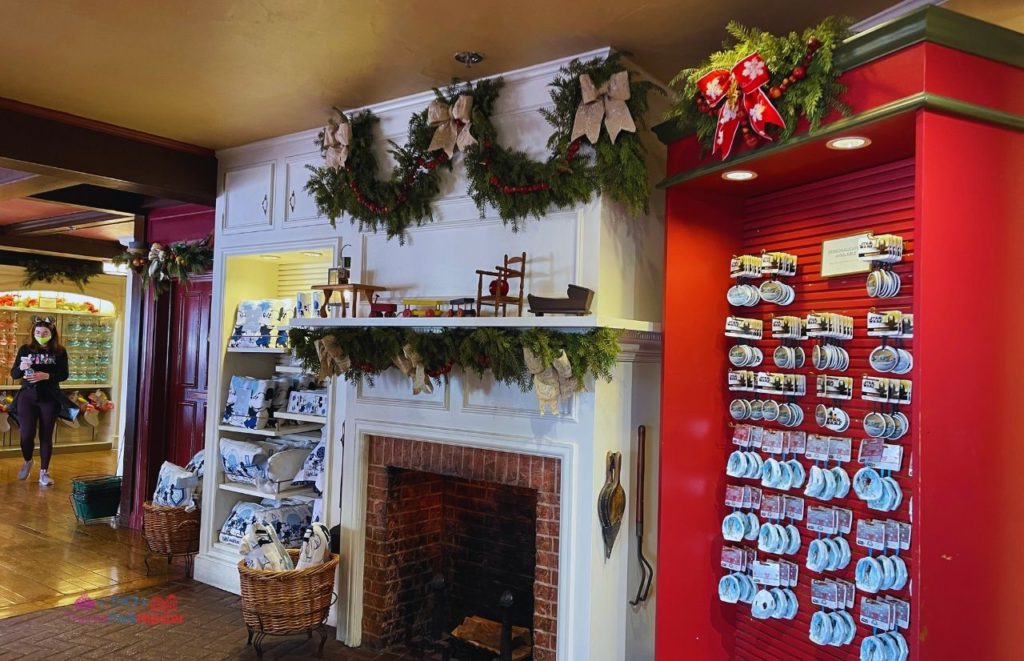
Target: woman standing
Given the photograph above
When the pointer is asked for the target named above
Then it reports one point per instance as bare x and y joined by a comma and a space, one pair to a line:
41, 364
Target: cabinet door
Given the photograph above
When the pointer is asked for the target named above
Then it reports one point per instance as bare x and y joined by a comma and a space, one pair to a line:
248, 198
299, 206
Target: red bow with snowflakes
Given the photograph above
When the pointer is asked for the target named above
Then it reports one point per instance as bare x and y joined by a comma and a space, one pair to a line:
740, 90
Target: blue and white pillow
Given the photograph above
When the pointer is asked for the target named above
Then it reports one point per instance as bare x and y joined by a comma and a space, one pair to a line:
243, 461
248, 402
175, 486
312, 471
288, 520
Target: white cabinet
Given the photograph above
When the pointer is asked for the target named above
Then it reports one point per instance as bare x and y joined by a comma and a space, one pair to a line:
299, 206
248, 198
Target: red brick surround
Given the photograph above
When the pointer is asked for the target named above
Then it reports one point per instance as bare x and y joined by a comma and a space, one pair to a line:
381, 580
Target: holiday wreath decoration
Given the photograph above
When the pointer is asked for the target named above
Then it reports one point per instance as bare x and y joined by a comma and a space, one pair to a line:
514, 357
56, 269
583, 159
161, 265
761, 86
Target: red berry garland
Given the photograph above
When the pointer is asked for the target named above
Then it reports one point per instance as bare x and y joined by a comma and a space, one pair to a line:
570, 154
407, 183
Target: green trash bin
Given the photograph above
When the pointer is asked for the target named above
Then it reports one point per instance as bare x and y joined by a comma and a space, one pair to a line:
95, 496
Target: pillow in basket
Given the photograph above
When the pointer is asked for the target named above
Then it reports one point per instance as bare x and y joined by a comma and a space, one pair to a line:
174, 487
242, 514
195, 466
261, 549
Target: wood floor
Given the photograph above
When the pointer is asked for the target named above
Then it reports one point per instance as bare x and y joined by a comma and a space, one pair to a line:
47, 559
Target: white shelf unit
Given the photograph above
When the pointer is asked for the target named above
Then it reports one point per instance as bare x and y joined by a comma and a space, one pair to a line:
289, 369
585, 322
302, 417
287, 430
241, 276
251, 490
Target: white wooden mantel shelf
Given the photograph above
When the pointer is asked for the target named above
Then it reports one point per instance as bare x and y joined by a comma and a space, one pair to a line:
567, 322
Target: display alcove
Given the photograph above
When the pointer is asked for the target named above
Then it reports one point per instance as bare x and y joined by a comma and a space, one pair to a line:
937, 94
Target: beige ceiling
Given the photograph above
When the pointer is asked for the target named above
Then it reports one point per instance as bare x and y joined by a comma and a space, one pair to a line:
225, 72
219, 73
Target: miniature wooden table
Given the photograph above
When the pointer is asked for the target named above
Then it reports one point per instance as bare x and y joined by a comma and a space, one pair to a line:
367, 290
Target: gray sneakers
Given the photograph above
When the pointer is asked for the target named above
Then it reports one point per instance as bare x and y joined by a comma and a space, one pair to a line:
44, 478
23, 473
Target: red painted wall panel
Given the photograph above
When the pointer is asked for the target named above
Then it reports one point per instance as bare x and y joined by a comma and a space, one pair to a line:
185, 222
970, 514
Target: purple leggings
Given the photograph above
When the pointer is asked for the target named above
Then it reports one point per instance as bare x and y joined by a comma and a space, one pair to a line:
33, 413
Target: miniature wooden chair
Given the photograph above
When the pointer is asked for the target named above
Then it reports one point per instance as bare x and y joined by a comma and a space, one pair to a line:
513, 268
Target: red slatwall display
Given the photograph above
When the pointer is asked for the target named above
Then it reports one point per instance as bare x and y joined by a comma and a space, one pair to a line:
797, 220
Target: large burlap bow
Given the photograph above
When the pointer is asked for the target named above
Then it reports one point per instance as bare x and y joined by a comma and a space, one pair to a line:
337, 136
608, 103
552, 383
452, 124
333, 359
411, 365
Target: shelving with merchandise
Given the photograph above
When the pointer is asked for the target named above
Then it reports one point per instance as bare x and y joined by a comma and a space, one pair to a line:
247, 280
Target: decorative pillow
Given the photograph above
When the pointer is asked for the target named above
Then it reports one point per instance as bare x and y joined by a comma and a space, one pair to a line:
318, 510
248, 402
242, 461
196, 463
261, 549
174, 487
309, 402
316, 546
282, 465
312, 471
235, 526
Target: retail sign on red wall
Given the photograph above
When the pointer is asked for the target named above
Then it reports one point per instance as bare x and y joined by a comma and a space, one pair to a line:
839, 256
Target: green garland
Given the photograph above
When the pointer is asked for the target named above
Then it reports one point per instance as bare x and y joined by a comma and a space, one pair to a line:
505, 179
811, 94
162, 265
476, 350
56, 269
391, 205
519, 187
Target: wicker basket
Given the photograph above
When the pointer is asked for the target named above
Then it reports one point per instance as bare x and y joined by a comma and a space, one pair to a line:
170, 530
287, 602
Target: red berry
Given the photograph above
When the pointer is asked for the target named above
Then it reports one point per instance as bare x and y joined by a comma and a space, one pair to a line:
783, 85
791, 79
799, 73
813, 44
808, 59
775, 92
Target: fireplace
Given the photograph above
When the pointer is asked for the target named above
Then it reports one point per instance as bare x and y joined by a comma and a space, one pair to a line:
485, 520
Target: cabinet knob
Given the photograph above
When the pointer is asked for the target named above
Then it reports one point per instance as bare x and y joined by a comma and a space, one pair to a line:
291, 201
264, 204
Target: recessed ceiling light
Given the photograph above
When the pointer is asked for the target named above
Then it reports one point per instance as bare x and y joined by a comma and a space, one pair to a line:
312, 253
848, 142
469, 57
739, 175
270, 257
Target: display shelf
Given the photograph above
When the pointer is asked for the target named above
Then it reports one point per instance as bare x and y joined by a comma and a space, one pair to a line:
251, 490
74, 313
302, 417
569, 322
290, 369
290, 430
276, 352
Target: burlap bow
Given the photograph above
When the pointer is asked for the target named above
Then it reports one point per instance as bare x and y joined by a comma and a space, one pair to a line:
452, 124
608, 103
337, 136
551, 383
333, 360
411, 365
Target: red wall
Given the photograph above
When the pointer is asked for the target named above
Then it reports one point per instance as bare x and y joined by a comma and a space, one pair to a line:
185, 222
970, 514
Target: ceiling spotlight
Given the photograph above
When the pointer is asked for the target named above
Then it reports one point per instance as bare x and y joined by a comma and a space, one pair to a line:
469, 57
312, 253
739, 175
270, 257
848, 142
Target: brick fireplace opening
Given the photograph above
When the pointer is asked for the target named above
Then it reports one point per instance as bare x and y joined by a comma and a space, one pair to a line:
486, 521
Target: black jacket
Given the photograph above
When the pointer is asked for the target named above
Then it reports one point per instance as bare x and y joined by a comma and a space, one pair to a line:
54, 364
